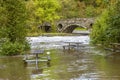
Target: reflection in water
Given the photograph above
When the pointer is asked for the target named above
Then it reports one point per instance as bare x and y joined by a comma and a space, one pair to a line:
64, 65
12, 68
38, 70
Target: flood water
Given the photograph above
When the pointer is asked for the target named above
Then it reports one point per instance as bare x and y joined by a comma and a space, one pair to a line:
75, 64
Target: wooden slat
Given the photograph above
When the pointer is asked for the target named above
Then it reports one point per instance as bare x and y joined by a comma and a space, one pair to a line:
37, 51
35, 61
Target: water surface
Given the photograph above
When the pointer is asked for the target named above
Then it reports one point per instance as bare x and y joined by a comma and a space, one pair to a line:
85, 64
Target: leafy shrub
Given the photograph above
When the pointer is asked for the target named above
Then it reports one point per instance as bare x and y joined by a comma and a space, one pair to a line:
98, 32
107, 27
9, 48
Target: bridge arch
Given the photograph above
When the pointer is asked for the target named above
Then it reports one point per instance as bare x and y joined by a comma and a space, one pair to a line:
71, 28
60, 26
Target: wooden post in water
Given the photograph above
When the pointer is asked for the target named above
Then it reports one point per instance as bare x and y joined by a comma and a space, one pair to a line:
36, 61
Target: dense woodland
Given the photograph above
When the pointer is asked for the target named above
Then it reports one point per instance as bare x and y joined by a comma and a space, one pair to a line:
84, 8
20, 18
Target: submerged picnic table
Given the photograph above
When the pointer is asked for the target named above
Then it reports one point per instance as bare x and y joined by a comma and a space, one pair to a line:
36, 53
71, 44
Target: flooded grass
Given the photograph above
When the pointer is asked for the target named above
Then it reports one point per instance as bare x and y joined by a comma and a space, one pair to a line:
74, 64
64, 65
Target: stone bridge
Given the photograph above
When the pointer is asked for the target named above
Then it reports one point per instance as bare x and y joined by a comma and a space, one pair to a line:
69, 25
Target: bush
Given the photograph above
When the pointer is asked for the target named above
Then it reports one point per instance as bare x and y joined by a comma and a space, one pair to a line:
8, 48
99, 29
107, 27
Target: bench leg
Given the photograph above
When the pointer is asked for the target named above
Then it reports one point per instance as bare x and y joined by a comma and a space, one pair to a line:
64, 47
36, 61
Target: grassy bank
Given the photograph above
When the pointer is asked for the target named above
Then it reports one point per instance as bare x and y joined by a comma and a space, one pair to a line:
53, 34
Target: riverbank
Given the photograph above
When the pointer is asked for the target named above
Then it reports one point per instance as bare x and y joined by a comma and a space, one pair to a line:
75, 33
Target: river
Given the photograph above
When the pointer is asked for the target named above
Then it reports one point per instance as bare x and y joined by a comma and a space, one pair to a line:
82, 64
55, 42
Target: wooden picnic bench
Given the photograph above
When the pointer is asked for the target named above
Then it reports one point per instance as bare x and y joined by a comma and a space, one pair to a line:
36, 54
70, 45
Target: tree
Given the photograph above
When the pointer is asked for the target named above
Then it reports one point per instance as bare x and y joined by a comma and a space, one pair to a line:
15, 20
107, 27
12, 22
114, 23
43, 11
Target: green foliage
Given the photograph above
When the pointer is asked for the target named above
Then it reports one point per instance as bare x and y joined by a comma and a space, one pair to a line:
41, 11
98, 31
46, 10
83, 8
12, 25
114, 23
107, 27
71, 9
90, 11
9, 48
